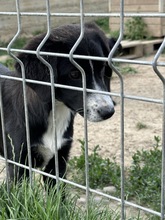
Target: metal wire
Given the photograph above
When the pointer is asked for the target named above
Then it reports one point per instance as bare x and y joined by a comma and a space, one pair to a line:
160, 50
114, 49
52, 89
153, 15
24, 87
4, 140
84, 99
111, 60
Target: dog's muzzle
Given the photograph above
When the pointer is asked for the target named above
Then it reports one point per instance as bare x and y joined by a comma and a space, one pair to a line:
99, 107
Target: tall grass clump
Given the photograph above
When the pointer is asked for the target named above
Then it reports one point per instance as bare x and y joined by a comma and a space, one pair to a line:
35, 203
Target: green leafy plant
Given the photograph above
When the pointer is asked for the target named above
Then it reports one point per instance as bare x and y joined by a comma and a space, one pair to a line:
142, 178
102, 171
136, 29
115, 34
125, 69
143, 182
128, 70
103, 23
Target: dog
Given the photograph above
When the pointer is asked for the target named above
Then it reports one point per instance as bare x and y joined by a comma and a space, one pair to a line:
68, 102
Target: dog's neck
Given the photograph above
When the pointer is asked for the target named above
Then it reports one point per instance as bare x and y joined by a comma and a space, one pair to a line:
62, 121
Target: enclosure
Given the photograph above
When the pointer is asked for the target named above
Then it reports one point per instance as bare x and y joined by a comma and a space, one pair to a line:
137, 86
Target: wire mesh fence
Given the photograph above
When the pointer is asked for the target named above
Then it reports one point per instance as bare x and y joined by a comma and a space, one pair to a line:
112, 60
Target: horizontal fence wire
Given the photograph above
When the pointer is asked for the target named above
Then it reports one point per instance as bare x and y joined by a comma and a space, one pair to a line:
111, 60
154, 15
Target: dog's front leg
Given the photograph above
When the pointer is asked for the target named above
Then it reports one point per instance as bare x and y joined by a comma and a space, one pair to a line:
50, 168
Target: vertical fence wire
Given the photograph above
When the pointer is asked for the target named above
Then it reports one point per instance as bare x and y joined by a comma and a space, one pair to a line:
160, 50
24, 87
121, 103
84, 98
4, 139
52, 88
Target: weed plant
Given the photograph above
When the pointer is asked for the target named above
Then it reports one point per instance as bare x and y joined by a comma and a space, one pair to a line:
143, 182
136, 29
140, 126
103, 23
127, 70
142, 178
102, 171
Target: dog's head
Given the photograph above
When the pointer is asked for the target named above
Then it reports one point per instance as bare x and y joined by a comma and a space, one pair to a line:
98, 73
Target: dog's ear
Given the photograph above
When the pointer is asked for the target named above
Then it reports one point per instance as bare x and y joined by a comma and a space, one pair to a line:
35, 69
112, 42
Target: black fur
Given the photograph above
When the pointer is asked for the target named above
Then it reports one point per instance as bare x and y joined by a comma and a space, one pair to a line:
39, 100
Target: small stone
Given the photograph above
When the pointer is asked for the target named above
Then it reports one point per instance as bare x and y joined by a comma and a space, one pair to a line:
98, 198
99, 190
109, 189
81, 200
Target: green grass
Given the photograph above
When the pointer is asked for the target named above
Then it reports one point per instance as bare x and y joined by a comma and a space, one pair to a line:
24, 202
3, 44
18, 44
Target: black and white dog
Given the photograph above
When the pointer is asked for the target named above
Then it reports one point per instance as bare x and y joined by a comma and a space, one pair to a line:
68, 102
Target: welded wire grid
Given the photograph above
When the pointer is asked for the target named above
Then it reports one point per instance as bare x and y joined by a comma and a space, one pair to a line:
154, 63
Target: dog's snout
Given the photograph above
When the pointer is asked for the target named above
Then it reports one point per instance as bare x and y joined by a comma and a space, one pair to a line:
106, 112
99, 107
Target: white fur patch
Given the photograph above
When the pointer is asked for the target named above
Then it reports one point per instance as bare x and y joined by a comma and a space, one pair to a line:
97, 102
63, 116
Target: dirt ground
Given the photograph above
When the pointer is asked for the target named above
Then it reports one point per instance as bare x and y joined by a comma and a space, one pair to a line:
107, 134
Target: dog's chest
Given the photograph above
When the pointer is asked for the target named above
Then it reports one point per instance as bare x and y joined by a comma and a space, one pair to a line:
63, 117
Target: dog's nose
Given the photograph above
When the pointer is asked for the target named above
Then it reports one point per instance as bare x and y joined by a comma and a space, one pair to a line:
106, 113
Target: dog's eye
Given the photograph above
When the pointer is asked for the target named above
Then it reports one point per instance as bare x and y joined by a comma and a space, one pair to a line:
75, 74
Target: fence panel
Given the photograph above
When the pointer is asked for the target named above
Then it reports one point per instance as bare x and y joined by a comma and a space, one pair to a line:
81, 15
